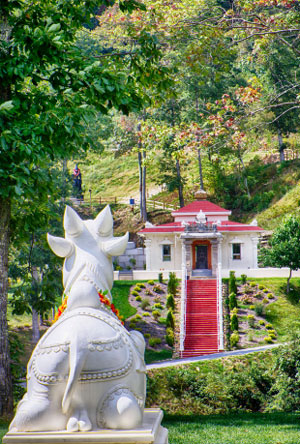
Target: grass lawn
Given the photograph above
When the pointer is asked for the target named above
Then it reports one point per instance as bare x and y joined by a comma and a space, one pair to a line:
120, 293
244, 428
283, 314
154, 356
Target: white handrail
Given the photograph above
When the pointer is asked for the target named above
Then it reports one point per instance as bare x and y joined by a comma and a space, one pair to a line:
220, 307
183, 299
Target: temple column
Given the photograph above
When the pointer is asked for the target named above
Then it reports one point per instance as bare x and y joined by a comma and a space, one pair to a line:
254, 251
183, 295
147, 244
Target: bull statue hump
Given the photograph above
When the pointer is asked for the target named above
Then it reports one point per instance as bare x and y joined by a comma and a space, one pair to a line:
87, 372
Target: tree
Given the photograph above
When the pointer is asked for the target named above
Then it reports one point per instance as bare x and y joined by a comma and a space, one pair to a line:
284, 248
49, 91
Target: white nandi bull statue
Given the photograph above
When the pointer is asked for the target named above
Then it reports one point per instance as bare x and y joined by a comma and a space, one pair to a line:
87, 371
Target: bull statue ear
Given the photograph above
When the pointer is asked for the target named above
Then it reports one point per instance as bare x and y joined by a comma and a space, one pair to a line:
60, 246
104, 222
73, 225
115, 246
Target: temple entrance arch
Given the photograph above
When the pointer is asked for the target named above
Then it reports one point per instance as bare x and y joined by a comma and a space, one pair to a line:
201, 255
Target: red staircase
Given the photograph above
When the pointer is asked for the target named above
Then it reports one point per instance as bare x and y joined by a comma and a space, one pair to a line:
201, 335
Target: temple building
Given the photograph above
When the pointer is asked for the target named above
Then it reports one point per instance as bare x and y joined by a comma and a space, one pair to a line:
205, 245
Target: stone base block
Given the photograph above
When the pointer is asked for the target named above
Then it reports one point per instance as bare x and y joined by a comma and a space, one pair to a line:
150, 432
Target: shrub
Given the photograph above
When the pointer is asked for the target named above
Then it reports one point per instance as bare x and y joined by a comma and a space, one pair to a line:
265, 290
261, 322
252, 307
234, 339
162, 321
157, 288
270, 296
145, 303
157, 299
170, 301
132, 324
153, 342
146, 314
261, 287
234, 324
137, 288
158, 305
141, 285
272, 336
132, 260
138, 298
232, 282
170, 337
160, 278
134, 293
151, 282
252, 284
246, 289
137, 317
247, 299
268, 339
265, 300
148, 292
147, 335
235, 311
251, 320
269, 326
232, 301
243, 278
259, 309
156, 314
173, 283
170, 320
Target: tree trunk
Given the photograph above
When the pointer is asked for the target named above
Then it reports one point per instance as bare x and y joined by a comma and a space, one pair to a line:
180, 188
288, 282
140, 182
144, 200
35, 327
200, 169
6, 399
281, 146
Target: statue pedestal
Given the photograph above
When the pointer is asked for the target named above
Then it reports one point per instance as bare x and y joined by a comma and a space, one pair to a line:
150, 432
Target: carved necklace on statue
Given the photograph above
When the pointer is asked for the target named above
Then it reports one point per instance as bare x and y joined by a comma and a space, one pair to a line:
103, 299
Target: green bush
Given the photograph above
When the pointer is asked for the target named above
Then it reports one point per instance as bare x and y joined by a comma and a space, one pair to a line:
132, 260
134, 293
252, 307
259, 309
232, 283
145, 303
235, 311
137, 317
268, 339
147, 335
170, 320
234, 324
151, 282
232, 301
270, 296
146, 314
170, 337
234, 339
170, 302
160, 278
173, 283
156, 314
252, 284
251, 320
141, 285
162, 320
269, 326
132, 325
138, 298
243, 278
265, 290
148, 292
158, 305
265, 300
158, 289
137, 288
261, 322
153, 342
261, 287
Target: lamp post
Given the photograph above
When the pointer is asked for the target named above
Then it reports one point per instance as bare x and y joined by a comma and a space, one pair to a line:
90, 191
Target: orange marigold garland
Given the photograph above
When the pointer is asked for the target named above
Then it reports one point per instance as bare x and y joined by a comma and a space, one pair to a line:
103, 299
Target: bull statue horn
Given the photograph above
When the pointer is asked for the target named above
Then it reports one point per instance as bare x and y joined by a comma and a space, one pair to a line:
104, 222
73, 225
60, 246
116, 246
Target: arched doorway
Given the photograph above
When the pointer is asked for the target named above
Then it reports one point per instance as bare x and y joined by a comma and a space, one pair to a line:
201, 255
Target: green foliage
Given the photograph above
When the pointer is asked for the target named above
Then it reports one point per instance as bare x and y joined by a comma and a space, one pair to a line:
170, 337
170, 302
234, 324
145, 303
153, 342
259, 309
234, 339
243, 278
170, 320
158, 289
151, 282
232, 301
137, 288
156, 314
173, 284
232, 283
135, 293
160, 278
251, 320
138, 298
18, 371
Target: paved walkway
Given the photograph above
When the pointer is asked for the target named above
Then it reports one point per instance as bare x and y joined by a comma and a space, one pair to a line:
175, 362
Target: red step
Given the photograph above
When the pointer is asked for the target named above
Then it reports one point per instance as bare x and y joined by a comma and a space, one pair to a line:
201, 318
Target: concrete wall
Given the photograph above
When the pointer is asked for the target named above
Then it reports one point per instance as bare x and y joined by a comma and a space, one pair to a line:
132, 252
154, 257
248, 251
